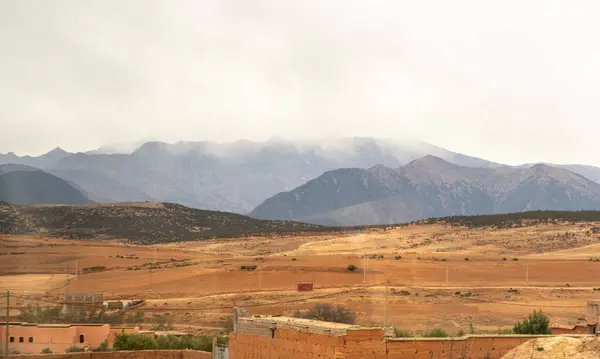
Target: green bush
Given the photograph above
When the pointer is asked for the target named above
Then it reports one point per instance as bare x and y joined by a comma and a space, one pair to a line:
435, 333
536, 323
398, 257
327, 313
402, 333
103, 347
74, 349
133, 342
46, 351
165, 342
351, 268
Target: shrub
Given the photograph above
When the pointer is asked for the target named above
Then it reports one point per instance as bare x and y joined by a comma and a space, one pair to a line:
248, 268
294, 259
504, 259
435, 333
398, 257
351, 268
46, 351
103, 347
402, 293
402, 333
515, 259
536, 323
74, 349
467, 259
161, 322
133, 342
328, 313
456, 293
460, 333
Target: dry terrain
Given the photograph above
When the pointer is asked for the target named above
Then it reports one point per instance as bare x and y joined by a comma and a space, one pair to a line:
438, 275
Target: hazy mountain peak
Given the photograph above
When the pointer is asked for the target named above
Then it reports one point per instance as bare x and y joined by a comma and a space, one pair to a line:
57, 151
432, 162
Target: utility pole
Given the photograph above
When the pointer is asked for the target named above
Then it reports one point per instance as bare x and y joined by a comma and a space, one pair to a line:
7, 320
527, 273
365, 263
385, 320
259, 279
76, 269
150, 277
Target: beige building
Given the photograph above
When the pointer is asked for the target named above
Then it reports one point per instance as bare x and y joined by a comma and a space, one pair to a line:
28, 338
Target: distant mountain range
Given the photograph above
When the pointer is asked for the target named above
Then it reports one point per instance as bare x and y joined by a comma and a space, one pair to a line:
429, 187
236, 177
21, 184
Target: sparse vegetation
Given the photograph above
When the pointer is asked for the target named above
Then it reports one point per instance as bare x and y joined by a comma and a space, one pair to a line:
351, 268
74, 349
162, 322
248, 268
141, 342
328, 313
93, 269
536, 323
46, 351
515, 220
435, 333
398, 257
402, 333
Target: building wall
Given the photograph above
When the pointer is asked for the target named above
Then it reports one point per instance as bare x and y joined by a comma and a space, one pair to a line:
142, 354
289, 343
59, 338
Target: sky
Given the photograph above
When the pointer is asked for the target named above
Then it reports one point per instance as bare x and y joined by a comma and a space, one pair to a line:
508, 81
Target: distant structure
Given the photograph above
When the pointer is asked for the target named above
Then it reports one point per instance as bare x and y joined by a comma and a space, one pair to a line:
305, 287
76, 302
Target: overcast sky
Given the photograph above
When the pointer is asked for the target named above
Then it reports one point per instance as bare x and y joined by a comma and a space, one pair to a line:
509, 81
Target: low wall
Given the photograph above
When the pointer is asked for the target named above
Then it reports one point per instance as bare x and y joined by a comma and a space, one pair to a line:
576, 329
357, 343
141, 354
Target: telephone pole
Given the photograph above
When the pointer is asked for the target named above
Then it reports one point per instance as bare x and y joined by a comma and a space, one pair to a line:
365, 268
385, 320
527, 273
7, 320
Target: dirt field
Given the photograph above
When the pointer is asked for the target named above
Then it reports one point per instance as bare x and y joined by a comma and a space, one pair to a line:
438, 275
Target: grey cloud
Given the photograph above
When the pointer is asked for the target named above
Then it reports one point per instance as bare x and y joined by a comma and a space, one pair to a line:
509, 81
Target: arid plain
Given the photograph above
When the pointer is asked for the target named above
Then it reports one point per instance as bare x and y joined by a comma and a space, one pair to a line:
438, 275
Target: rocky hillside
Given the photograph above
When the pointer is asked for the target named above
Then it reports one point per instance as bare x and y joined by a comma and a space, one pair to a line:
142, 223
30, 186
429, 187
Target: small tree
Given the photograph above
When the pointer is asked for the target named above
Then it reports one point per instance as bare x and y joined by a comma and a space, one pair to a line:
351, 268
536, 323
160, 322
328, 313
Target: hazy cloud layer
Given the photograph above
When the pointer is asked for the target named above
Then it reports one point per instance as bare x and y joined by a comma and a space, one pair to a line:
510, 81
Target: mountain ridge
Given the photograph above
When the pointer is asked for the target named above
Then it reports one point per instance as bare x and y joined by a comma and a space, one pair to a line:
429, 187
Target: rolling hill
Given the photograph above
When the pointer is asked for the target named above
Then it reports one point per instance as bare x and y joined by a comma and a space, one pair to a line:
141, 223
